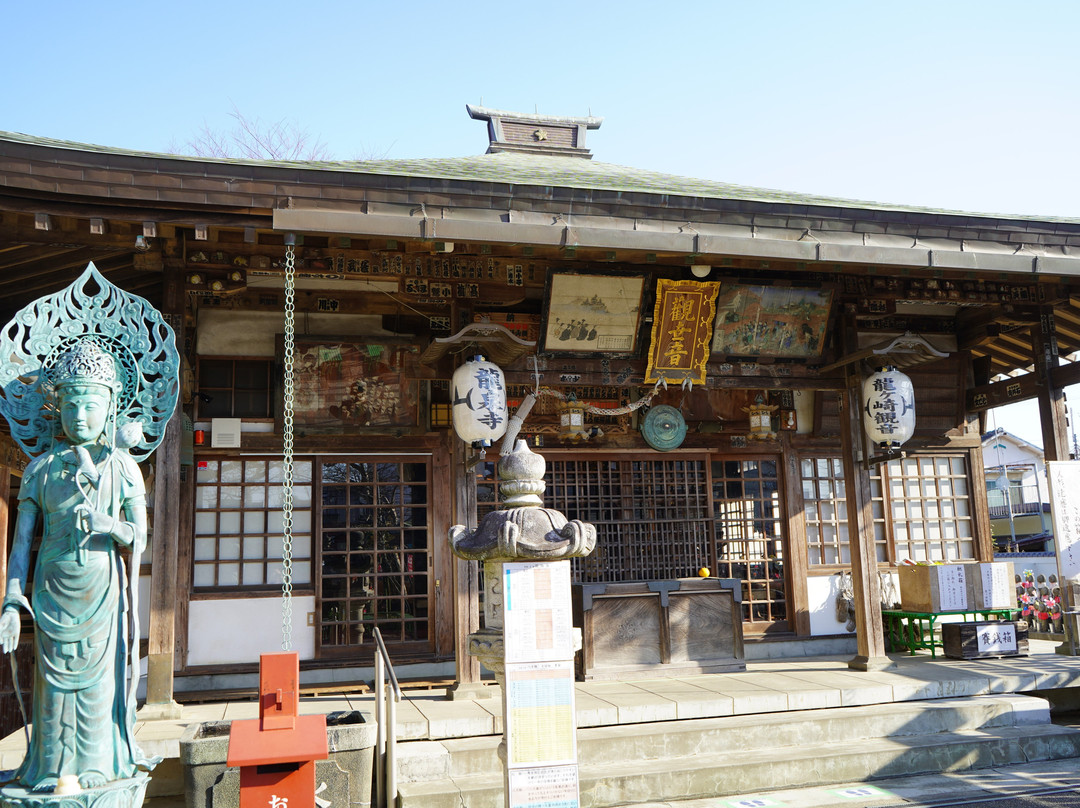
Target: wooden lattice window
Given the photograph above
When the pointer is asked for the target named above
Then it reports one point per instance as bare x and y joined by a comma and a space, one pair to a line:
665, 518
235, 388
927, 500
749, 539
652, 516
239, 527
825, 511
374, 553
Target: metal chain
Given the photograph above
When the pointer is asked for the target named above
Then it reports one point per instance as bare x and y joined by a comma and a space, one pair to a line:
287, 435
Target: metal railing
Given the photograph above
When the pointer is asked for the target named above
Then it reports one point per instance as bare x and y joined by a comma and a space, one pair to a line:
1016, 499
386, 701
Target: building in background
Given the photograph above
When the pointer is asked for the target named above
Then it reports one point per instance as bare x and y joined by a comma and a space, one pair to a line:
1017, 494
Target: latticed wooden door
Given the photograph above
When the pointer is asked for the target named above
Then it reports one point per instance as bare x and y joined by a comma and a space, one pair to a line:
666, 517
374, 553
750, 544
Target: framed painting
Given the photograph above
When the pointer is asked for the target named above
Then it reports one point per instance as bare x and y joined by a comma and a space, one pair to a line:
785, 322
352, 384
593, 314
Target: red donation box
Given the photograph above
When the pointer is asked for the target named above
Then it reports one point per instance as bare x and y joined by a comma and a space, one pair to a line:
276, 752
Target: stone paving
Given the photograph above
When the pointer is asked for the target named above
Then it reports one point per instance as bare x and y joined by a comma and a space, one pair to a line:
771, 686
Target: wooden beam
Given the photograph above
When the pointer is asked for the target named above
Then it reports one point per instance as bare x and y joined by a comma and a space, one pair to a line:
797, 542
1015, 347
5, 525
441, 577
980, 510
997, 394
161, 651
1053, 415
1021, 388
466, 588
870, 634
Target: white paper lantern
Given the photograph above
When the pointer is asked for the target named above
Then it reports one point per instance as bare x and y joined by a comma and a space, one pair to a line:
888, 404
479, 401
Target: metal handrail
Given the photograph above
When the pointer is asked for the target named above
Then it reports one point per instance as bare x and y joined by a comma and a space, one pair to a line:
386, 700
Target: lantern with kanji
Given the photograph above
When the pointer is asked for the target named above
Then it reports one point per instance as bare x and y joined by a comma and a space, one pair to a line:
479, 402
888, 405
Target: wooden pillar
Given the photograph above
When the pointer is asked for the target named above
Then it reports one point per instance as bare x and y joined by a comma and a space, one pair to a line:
466, 582
5, 525
184, 562
1052, 412
980, 507
799, 567
165, 541
870, 633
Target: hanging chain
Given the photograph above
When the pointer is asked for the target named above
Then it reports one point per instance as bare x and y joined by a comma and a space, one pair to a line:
287, 434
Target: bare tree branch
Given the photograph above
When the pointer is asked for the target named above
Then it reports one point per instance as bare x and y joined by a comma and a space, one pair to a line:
251, 139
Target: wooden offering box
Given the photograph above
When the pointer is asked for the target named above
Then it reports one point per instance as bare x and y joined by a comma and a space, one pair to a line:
990, 585
936, 588
984, 639
650, 629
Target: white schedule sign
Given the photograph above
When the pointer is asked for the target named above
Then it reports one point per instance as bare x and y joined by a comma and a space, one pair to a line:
549, 787
537, 616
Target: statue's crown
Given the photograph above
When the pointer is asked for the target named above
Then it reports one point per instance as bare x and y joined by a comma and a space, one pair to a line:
86, 363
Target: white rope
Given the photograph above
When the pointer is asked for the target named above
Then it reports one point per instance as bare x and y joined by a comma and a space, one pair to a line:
628, 408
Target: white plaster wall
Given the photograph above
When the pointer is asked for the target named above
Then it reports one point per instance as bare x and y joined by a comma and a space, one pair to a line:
821, 593
252, 333
224, 632
821, 598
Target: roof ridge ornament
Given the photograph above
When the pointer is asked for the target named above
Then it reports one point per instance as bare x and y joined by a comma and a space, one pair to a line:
533, 133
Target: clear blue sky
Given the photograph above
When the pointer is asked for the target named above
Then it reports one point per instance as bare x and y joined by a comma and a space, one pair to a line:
957, 104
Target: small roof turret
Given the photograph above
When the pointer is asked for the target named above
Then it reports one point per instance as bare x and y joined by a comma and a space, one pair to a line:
535, 134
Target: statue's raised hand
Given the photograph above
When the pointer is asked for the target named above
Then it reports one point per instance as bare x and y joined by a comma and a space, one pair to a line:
91, 521
9, 630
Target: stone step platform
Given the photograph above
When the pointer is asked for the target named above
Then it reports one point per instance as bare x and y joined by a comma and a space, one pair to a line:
675, 760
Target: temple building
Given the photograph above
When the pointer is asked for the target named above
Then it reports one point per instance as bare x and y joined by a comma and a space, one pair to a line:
696, 350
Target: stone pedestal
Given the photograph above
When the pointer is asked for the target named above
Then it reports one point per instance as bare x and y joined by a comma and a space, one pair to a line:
210, 783
523, 531
128, 793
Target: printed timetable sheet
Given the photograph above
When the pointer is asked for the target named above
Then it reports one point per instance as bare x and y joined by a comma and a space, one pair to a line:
537, 617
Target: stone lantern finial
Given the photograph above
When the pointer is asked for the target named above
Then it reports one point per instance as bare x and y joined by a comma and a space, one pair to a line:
523, 530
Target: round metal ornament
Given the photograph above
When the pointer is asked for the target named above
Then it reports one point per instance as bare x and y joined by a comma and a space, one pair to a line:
125, 326
663, 428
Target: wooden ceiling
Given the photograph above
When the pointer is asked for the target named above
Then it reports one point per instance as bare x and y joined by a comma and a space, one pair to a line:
28, 272
35, 262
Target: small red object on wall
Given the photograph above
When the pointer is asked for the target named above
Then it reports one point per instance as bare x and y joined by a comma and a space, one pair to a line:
277, 751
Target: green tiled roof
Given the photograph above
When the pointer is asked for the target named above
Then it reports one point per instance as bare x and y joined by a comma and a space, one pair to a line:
547, 171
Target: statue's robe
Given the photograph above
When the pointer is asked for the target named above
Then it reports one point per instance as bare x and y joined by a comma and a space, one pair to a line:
84, 703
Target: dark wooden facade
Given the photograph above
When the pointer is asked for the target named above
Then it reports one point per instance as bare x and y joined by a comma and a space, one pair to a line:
391, 256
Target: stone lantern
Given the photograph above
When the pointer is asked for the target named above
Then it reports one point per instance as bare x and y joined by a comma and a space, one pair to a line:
525, 549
